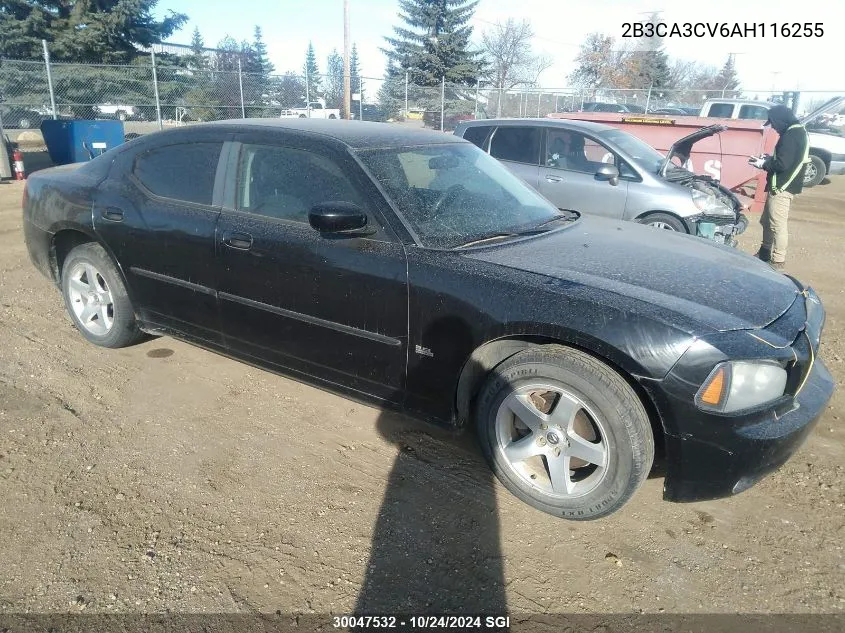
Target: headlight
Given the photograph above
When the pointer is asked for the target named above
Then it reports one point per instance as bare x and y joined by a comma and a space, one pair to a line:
738, 385
709, 204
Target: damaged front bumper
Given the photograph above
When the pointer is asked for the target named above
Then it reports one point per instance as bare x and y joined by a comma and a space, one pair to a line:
717, 228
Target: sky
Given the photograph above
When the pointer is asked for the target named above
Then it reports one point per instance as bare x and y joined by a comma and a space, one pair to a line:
763, 62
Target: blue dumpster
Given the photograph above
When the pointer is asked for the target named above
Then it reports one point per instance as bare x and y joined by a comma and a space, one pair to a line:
79, 141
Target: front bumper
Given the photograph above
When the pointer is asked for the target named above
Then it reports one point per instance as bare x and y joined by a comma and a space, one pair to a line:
717, 229
702, 469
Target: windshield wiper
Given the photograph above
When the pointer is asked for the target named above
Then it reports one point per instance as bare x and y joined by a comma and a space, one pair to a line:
502, 236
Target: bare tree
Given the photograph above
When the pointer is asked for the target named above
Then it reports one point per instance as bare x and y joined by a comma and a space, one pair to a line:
507, 49
600, 64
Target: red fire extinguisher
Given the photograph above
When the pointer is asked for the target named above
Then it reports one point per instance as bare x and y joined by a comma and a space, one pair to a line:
17, 157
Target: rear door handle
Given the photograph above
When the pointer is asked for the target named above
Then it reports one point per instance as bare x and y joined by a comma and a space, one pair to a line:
112, 214
241, 241
551, 178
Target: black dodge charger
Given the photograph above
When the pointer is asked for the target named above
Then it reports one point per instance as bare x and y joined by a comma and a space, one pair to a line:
410, 269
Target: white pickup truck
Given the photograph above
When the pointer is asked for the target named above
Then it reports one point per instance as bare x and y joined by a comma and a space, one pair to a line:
827, 148
312, 110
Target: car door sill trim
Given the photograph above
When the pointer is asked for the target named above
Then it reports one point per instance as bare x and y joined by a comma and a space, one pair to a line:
346, 329
173, 280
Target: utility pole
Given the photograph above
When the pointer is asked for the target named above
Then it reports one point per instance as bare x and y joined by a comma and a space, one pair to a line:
347, 74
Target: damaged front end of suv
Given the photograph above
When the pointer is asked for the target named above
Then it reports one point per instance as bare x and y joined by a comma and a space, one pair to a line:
720, 213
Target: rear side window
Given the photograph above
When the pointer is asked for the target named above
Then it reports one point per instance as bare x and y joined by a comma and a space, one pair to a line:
182, 172
517, 144
754, 112
477, 134
721, 110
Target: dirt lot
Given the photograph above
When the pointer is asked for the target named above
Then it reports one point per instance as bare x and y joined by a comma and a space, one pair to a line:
167, 478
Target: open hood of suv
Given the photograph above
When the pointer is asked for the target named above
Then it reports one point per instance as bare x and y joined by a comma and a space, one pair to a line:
682, 148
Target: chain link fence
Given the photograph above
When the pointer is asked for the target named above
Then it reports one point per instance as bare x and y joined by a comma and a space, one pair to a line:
155, 95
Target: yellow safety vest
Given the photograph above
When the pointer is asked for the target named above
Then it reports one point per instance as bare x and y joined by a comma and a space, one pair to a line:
806, 159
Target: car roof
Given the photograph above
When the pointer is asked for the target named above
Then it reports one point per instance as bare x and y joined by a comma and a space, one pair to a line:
355, 134
586, 126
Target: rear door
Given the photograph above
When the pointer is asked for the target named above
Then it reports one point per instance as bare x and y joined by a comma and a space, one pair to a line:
568, 177
157, 213
331, 307
518, 148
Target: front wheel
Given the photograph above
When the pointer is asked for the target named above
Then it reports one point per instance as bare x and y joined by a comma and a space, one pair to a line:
814, 172
96, 298
663, 221
564, 432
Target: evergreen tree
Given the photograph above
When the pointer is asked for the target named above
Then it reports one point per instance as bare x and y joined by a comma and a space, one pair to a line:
260, 50
727, 79
433, 42
197, 59
312, 73
355, 70
107, 31
652, 62
334, 80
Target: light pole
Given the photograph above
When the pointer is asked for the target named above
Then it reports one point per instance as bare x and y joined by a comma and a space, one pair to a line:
347, 78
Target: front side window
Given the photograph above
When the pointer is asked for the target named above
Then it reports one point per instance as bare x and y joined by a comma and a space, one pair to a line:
570, 150
285, 183
182, 172
452, 194
517, 144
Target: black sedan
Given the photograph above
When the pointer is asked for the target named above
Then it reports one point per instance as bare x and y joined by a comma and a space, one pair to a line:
410, 269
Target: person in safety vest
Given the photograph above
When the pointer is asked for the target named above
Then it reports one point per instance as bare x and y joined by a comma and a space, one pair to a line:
785, 169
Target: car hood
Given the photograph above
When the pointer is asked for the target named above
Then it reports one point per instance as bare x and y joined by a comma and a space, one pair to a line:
714, 285
682, 148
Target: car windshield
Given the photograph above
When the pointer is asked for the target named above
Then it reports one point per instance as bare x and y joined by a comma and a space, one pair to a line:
638, 151
455, 194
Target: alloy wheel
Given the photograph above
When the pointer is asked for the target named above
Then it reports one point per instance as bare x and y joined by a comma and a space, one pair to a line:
552, 440
91, 299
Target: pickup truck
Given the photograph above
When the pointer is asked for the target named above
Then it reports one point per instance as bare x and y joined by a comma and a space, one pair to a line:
312, 110
723, 156
827, 150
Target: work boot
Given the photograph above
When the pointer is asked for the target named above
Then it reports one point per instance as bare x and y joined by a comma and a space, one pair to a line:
764, 254
778, 266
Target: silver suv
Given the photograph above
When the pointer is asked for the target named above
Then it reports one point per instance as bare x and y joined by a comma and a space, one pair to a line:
597, 169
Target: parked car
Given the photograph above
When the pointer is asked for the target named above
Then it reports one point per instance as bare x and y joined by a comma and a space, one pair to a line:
827, 151
370, 112
612, 173
593, 106
119, 111
412, 269
673, 111
311, 110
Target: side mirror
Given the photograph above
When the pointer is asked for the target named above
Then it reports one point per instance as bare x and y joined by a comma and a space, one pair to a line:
337, 217
608, 172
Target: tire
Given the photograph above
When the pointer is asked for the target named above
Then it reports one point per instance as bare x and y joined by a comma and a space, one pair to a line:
815, 172
302, 116
112, 319
663, 221
121, 115
25, 124
331, 116
604, 419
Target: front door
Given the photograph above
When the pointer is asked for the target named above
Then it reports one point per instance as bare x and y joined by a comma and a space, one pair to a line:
158, 215
331, 307
568, 176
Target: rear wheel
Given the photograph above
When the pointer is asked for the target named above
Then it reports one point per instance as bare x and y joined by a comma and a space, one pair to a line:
663, 221
564, 432
814, 172
96, 298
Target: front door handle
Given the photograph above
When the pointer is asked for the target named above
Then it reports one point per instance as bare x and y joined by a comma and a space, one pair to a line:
551, 178
241, 241
112, 214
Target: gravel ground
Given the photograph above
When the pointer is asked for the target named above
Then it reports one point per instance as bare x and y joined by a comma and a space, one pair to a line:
166, 479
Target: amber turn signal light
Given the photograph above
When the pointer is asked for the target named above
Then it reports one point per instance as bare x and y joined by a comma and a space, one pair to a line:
713, 392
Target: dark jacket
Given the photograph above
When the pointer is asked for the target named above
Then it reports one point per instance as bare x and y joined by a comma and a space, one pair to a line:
789, 151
